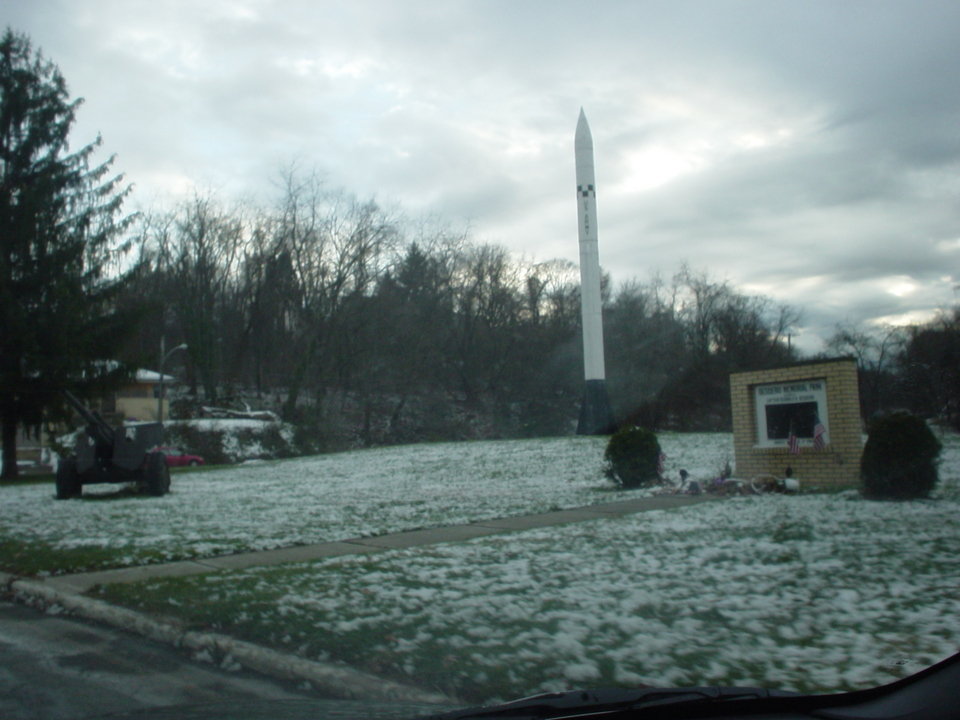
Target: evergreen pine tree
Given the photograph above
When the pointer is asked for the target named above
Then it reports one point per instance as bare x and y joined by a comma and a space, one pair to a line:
59, 255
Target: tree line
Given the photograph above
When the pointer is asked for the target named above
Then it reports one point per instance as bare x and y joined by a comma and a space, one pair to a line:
325, 298
348, 318
913, 367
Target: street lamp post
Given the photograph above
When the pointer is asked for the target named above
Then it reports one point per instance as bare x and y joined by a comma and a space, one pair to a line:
163, 360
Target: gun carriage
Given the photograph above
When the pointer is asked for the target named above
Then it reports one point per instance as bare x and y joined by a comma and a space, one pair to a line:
105, 454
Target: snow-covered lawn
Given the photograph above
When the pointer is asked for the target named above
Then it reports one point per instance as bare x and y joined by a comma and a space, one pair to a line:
260, 506
816, 592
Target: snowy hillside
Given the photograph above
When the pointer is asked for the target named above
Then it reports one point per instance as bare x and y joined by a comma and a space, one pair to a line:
811, 592
368, 492
263, 505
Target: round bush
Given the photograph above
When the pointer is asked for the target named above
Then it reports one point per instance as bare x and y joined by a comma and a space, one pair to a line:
632, 457
900, 458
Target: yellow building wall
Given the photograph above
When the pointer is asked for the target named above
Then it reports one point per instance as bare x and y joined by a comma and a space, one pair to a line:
141, 409
835, 466
139, 402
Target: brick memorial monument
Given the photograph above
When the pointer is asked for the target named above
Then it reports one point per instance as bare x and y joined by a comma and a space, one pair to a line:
805, 417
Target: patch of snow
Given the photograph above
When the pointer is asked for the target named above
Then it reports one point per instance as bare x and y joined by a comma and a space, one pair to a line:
822, 591
810, 592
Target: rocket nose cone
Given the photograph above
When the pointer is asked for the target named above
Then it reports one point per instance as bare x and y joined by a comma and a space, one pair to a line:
583, 136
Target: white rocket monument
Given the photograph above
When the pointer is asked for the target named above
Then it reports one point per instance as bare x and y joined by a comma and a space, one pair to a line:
595, 415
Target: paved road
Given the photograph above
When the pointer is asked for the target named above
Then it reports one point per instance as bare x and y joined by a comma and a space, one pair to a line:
60, 668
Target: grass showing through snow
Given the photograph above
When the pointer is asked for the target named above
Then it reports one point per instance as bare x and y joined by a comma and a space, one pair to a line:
814, 593
261, 506
810, 593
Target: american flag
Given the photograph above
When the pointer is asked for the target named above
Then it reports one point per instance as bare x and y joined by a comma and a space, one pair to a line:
793, 443
819, 436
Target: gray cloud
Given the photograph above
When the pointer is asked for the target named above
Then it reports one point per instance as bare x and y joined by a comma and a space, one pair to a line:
808, 150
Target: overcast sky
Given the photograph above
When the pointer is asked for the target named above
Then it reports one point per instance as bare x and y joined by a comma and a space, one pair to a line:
807, 151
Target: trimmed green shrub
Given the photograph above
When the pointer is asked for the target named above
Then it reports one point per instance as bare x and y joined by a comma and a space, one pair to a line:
632, 457
900, 458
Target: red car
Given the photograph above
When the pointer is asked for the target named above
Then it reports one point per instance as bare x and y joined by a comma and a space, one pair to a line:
178, 458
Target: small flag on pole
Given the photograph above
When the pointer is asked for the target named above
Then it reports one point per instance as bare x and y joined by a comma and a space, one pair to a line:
793, 442
819, 436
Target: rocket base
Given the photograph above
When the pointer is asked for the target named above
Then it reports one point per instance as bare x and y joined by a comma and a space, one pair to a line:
595, 415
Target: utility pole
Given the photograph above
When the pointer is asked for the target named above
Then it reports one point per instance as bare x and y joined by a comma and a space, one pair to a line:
163, 360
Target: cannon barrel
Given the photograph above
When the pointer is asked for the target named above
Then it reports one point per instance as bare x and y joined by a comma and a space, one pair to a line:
97, 427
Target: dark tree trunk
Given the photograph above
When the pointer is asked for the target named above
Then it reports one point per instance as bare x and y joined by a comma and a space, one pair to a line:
9, 432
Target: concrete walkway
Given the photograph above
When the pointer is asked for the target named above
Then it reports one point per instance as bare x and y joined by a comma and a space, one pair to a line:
82, 582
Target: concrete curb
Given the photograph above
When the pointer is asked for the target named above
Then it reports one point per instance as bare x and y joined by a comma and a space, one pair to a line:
337, 681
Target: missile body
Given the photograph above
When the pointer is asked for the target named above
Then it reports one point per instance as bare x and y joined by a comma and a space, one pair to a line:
595, 415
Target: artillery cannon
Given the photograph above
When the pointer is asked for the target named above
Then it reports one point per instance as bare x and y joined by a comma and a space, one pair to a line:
112, 455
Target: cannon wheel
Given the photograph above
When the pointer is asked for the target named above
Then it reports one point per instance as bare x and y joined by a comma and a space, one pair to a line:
68, 480
156, 475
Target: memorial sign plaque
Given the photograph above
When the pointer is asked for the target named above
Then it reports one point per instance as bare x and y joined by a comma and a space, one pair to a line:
792, 408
